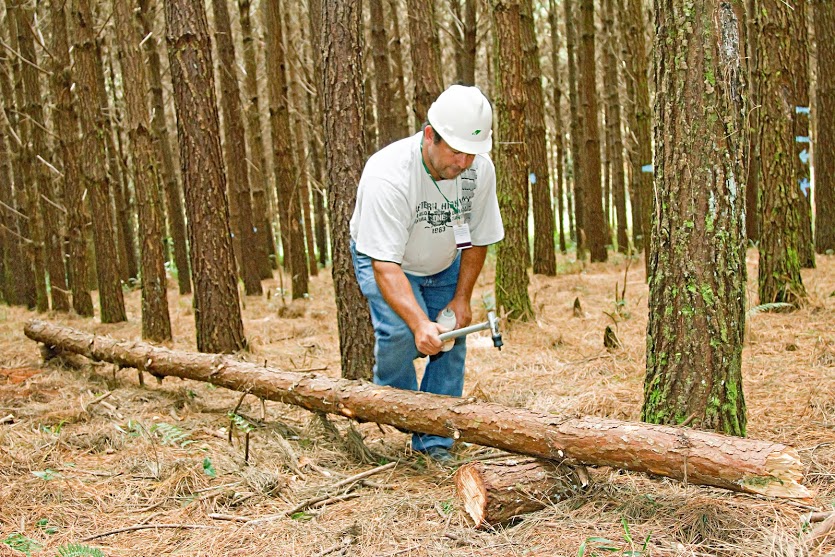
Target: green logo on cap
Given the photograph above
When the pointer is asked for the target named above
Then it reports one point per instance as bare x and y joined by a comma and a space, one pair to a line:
476, 132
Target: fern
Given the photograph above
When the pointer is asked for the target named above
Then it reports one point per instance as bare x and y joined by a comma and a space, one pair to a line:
762, 308
171, 434
241, 423
79, 550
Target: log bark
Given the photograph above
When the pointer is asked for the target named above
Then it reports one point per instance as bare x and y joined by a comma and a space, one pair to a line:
697, 457
496, 492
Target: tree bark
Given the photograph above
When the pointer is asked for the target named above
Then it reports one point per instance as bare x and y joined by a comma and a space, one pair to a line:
48, 198
575, 127
400, 100
752, 159
286, 177
216, 303
389, 127
156, 322
340, 94
425, 48
236, 151
696, 457
259, 171
68, 144
613, 122
511, 162
559, 131
173, 190
825, 113
780, 238
95, 181
544, 254
494, 493
595, 226
697, 252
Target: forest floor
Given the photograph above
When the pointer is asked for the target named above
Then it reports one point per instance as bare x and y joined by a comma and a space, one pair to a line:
75, 469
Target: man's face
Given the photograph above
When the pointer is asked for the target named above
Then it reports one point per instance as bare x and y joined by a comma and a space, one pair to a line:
443, 161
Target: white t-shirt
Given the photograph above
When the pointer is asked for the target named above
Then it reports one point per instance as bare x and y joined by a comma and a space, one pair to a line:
403, 217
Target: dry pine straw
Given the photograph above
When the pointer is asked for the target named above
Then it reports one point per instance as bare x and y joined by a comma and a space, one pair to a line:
112, 469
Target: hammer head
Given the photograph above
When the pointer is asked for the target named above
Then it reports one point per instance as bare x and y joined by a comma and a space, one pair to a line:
494, 329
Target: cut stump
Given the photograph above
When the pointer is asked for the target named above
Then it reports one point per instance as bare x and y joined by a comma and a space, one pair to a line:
496, 492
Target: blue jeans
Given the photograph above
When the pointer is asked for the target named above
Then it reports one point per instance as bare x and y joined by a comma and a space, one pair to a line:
395, 350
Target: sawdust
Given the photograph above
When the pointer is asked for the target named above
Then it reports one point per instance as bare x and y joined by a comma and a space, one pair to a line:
88, 454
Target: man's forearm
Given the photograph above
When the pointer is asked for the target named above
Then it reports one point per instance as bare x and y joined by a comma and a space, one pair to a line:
472, 261
397, 292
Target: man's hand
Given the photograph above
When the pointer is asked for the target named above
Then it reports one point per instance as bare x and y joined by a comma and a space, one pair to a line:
426, 338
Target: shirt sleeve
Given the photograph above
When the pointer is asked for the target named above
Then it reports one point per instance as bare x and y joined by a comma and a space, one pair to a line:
486, 225
384, 220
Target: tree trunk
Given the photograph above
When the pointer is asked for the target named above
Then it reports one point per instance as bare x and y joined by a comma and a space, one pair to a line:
340, 94
633, 175
825, 112
559, 135
696, 457
595, 227
575, 128
511, 162
389, 126
88, 81
66, 122
470, 45
779, 269
319, 190
425, 48
544, 255
613, 122
47, 198
173, 191
401, 102
259, 171
216, 303
697, 256
286, 177
16, 226
236, 151
156, 323
752, 159
495, 492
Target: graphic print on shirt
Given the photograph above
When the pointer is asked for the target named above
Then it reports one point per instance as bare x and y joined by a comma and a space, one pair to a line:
437, 216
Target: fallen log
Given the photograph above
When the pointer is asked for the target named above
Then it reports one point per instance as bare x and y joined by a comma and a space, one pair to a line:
697, 457
496, 492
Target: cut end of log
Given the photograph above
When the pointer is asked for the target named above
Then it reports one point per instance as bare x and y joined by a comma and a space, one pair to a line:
471, 490
784, 473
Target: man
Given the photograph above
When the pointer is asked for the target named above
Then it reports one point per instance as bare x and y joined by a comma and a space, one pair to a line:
426, 212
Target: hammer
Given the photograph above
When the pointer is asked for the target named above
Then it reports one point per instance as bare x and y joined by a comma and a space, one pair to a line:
492, 323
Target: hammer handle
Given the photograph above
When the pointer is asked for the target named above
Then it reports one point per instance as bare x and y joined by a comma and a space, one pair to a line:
455, 333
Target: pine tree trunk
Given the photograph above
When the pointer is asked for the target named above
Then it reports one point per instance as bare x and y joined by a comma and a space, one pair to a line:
216, 303
511, 156
752, 160
696, 457
236, 150
286, 177
401, 102
66, 122
825, 112
156, 323
559, 135
425, 49
47, 198
697, 254
470, 45
613, 121
259, 171
389, 127
20, 267
544, 255
575, 129
319, 190
173, 192
340, 94
595, 227
88, 81
779, 269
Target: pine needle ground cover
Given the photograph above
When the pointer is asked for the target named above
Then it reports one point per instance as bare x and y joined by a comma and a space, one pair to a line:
93, 463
